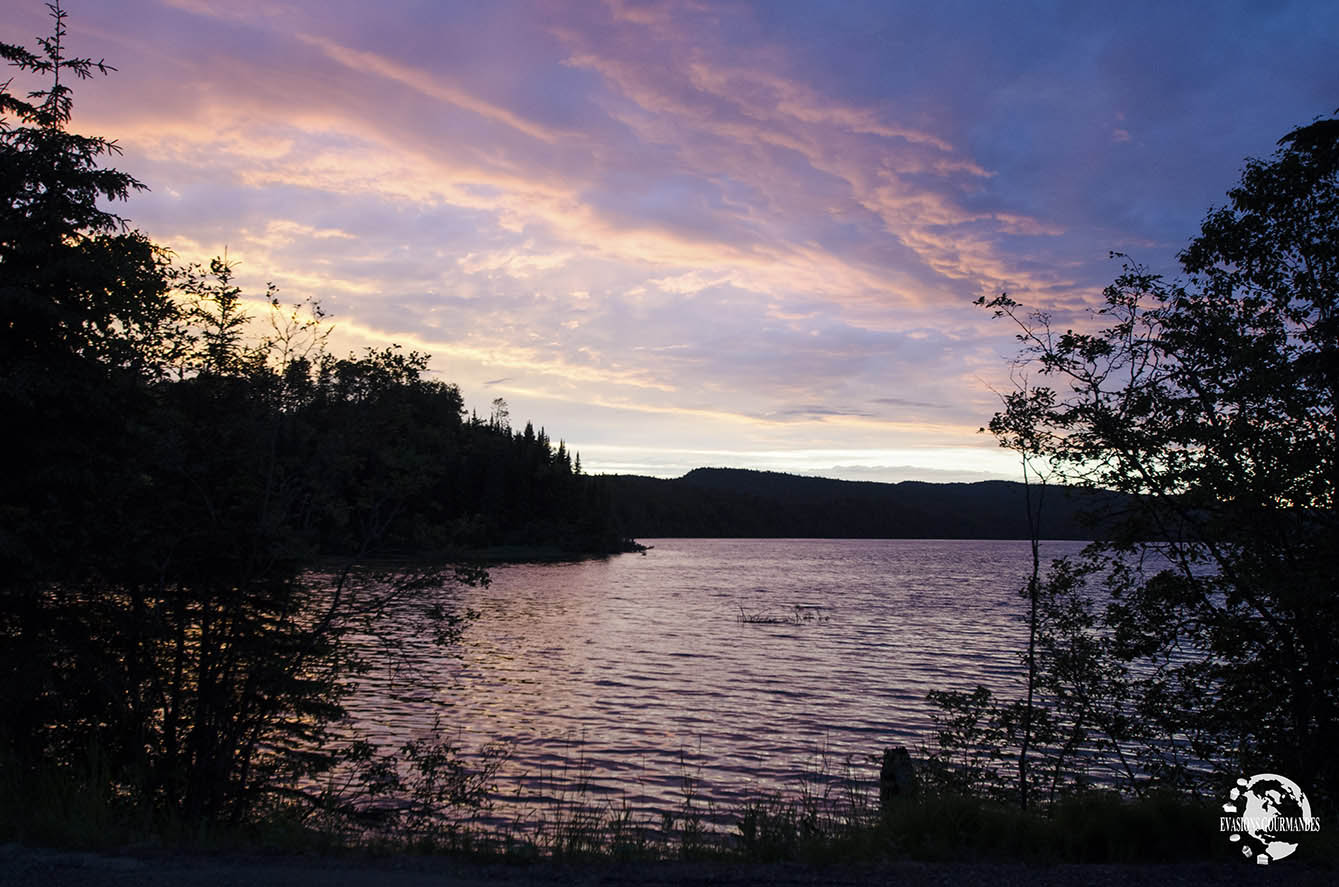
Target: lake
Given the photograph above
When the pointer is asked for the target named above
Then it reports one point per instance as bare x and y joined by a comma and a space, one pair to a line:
630, 677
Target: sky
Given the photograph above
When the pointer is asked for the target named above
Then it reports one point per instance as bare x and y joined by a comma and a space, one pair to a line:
682, 234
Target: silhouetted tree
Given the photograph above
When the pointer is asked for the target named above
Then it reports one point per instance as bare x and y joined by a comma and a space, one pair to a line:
499, 418
1211, 403
1018, 428
86, 321
76, 283
179, 477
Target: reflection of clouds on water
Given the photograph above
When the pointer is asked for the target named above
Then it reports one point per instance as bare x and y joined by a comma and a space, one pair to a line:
635, 677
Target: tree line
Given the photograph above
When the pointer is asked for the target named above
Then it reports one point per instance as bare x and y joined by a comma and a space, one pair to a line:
185, 499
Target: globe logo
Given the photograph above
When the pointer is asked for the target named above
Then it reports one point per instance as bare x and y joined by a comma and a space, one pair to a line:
1266, 815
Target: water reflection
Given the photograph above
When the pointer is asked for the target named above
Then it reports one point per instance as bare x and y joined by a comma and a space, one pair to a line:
634, 675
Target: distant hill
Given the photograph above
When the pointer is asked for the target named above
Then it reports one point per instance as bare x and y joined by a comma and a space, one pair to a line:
738, 503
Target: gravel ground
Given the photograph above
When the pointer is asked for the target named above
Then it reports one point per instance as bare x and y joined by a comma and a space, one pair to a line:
22, 867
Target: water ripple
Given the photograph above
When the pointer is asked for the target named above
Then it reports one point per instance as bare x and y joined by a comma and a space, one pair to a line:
633, 677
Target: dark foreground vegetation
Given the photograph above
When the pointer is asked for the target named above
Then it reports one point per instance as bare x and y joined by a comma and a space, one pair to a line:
186, 504
1197, 643
743, 504
167, 654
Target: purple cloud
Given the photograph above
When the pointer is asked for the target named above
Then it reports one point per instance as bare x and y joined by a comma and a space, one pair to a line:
745, 228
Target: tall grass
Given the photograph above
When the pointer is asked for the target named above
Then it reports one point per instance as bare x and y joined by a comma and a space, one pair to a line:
833, 815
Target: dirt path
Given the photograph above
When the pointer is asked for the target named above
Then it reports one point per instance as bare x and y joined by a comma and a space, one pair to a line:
23, 867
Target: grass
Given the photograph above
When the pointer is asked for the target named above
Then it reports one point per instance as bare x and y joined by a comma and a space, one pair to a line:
838, 819
828, 819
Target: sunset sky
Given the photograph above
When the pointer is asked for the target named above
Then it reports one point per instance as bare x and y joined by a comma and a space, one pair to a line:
681, 234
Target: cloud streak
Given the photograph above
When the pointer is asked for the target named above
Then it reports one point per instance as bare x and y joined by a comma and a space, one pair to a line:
709, 228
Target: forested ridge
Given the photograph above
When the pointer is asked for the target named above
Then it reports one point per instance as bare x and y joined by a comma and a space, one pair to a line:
739, 503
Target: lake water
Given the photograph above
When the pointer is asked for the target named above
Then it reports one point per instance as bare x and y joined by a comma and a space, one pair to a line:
635, 673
